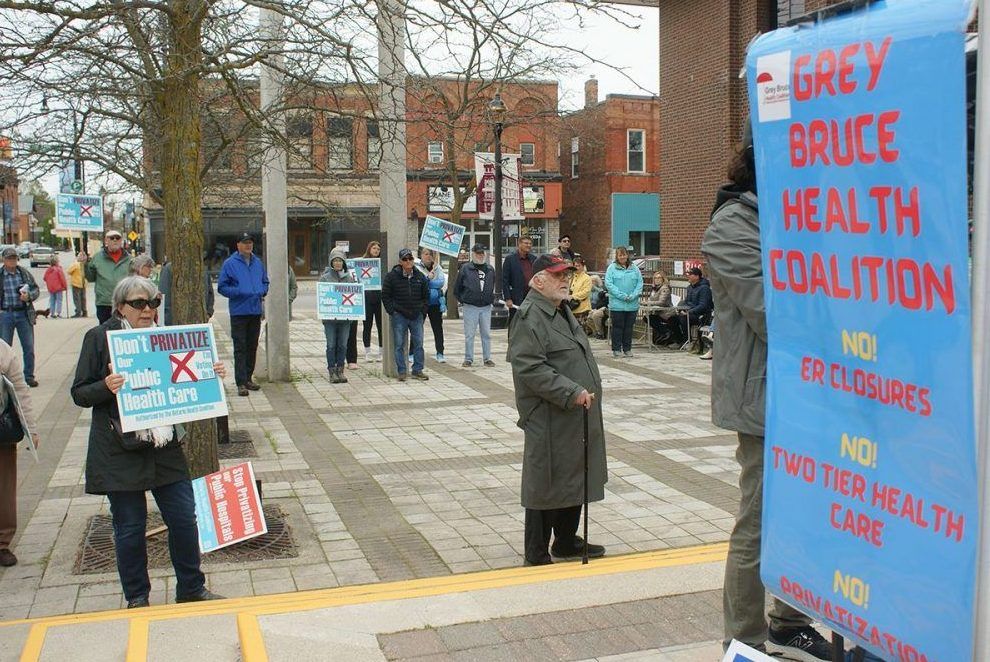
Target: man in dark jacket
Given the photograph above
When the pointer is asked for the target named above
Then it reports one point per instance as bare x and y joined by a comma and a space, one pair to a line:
555, 376
474, 288
696, 307
17, 297
406, 296
517, 271
244, 281
732, 247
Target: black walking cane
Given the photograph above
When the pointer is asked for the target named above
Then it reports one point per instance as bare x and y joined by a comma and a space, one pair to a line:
584, 557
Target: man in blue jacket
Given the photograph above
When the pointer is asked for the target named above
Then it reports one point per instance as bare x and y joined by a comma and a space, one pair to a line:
517, 271
244, 281
697, 305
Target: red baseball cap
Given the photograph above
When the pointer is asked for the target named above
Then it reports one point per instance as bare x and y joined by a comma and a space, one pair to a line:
552, 263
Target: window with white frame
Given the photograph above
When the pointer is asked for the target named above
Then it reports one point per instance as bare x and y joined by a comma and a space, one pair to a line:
528, 154
434, 152
340, 143
635, 150
574, 158
299, 131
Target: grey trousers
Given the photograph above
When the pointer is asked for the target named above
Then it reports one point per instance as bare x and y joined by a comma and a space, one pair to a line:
743, 596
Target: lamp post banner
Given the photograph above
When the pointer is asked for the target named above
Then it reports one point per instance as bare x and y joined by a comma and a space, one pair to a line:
512, 188
870, 481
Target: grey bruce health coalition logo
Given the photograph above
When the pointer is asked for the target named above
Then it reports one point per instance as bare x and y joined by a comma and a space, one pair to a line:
773, 86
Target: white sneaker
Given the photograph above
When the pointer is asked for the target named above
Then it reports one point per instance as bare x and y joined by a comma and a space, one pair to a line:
367, 355
440, 358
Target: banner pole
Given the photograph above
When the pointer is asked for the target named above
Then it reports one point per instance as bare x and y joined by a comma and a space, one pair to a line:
981, 334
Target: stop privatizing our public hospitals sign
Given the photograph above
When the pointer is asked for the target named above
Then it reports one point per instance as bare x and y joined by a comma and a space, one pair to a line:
228, 507
169, 376
870, 520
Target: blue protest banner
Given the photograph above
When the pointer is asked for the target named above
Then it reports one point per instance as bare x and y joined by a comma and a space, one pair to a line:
79, 212
870, 493
339, 301
442, 236
368, 271
169, 375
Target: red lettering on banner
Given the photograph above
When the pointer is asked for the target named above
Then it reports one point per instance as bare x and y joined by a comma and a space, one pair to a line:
831, 143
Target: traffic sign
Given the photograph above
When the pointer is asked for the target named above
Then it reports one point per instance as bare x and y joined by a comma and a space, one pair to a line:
132, 235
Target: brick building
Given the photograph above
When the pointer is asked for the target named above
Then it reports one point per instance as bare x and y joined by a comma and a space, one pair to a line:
610, 159
9, 183
703, 104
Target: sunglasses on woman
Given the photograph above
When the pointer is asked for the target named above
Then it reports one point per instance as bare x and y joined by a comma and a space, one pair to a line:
141, 304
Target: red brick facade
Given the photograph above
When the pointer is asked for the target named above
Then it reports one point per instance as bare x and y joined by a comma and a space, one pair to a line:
702, 51
603, 169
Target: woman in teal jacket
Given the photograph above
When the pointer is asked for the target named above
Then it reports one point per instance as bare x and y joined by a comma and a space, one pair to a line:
624, 284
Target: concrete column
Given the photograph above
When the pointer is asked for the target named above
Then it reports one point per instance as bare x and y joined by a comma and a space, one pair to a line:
392, 128
273, 196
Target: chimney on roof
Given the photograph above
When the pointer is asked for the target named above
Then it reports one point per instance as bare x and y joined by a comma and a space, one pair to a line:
590, 92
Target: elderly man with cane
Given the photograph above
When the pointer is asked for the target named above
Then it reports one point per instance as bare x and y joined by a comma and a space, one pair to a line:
557, 387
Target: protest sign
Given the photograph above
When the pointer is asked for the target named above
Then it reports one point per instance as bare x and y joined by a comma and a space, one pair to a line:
339, 301
740, 652
512, 186
79, 212
870, 518
28, 440
442, 236
169, 375
228, 507
368, 271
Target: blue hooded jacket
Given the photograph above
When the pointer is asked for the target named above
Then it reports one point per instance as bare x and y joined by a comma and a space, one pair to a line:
244, 284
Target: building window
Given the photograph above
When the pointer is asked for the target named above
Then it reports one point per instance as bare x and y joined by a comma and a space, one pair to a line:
635, 150
374, 146
574, 158
299, 131
528, 152
340, 143
434, 152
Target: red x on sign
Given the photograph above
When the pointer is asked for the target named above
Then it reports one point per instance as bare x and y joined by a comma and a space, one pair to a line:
347, 299
366, 272
448, 235
85, 210
180, 367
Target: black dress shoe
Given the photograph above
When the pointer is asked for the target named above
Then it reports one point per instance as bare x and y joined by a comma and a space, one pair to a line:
242, 390
33, 383
576, 551
251, 386
137, 603
7, 558
203, 594
546, 561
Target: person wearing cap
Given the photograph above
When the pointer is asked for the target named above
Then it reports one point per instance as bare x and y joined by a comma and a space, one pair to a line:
555, 375
244, 281
405, 296
564, 248
106, 269
624, 283
17, 297
731, 245
696, 307
517, 270
474, 289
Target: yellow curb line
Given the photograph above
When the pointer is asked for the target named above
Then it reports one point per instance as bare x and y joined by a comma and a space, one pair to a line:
399, 590
252, 643
137, 640
35, 641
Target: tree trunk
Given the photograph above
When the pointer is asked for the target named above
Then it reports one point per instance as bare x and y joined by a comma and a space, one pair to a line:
182, 195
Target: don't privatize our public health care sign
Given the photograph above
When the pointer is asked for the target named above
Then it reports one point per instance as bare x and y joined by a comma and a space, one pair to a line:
442, 236
339, 301
81, 213
169, 376
870, 520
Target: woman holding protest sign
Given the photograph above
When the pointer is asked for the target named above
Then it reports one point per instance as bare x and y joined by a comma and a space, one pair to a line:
337, 331
372, 309
124, 466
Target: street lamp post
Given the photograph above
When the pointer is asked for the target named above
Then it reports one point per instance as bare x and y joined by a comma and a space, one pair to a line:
496, 110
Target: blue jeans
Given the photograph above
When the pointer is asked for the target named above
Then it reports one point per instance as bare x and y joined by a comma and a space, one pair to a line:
336, 332
130, 513
475, 317
17, 319
401, 326
622, 329
55, 303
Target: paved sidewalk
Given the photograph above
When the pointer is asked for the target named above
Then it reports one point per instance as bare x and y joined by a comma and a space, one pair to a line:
384, 481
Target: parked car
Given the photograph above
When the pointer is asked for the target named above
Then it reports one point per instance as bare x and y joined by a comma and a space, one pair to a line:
647, 265
42, 255
24, 249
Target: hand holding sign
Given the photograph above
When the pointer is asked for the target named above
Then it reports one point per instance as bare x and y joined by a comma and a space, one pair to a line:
114, 381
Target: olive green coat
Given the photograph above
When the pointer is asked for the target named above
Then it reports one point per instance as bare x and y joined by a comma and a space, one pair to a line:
552, 363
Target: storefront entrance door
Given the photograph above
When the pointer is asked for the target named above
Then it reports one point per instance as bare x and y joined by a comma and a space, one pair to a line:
299, 251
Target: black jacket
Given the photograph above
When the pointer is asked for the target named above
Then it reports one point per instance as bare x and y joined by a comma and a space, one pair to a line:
110, 468
468, 289
698, 299
408, 297
514, 286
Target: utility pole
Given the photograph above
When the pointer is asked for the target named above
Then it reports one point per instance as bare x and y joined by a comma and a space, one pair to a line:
273, 195
392, 174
